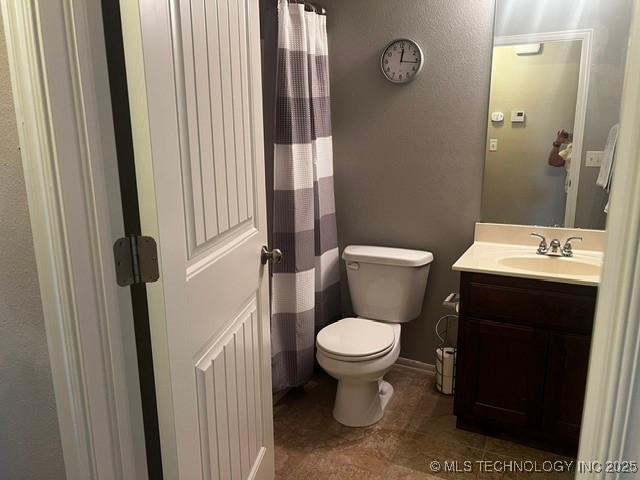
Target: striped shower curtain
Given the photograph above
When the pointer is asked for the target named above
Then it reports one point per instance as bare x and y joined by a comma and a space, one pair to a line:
305, 285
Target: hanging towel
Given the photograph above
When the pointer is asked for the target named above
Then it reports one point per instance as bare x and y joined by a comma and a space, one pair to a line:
567, 155
606, 169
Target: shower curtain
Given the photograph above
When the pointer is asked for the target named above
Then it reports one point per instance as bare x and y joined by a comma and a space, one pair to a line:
305, 285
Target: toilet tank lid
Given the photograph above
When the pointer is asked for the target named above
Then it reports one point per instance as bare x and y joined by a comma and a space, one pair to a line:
386, 256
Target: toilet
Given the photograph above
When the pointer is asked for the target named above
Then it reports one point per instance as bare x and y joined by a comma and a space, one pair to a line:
387, 288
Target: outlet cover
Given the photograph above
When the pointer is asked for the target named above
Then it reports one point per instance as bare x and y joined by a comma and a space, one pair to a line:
493, 145
593, 158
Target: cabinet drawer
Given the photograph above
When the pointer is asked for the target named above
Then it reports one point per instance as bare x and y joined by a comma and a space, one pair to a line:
549, 305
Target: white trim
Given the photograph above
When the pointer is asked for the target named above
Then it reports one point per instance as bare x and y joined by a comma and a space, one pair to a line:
612, 405
584, 35
416, 365
132, 29
58, 71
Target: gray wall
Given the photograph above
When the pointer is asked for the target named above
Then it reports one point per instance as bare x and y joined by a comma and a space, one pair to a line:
29, 438
408, 159
610, 21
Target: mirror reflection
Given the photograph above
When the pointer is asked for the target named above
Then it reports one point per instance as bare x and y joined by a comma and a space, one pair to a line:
556, 83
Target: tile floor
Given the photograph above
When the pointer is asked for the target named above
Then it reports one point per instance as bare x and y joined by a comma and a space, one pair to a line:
418, 428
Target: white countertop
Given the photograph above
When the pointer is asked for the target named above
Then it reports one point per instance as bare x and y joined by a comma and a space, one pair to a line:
515, 260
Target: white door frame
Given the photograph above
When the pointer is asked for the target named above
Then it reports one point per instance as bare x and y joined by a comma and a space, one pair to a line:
612, 405
61, 92
585, 36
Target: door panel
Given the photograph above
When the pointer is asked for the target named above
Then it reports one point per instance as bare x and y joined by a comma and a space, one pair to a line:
566, 384
230, 418
195, 94
218, 172
504, 372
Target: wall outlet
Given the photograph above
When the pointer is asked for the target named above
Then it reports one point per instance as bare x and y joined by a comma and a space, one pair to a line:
593, 158
493, 145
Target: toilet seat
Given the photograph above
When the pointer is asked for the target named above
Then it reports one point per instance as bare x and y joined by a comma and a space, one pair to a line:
356, 339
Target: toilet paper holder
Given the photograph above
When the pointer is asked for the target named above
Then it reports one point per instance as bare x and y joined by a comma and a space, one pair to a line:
446, 370
446, 351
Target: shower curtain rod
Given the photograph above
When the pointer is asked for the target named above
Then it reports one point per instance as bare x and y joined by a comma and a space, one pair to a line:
310, 7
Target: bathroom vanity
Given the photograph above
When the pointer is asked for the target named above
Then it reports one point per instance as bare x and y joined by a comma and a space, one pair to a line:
523, 353
524, 336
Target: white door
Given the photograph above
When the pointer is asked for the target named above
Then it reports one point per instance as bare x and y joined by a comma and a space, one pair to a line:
193, 68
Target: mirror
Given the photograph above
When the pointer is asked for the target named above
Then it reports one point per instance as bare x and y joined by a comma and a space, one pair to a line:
556, 83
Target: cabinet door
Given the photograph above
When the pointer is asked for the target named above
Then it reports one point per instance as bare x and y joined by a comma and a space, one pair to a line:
502, 373
566, 384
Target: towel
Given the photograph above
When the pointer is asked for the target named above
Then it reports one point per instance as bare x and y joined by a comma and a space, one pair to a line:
567, 154
606, 169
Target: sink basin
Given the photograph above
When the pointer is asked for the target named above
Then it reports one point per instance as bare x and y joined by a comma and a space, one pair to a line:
553, 265
509, 251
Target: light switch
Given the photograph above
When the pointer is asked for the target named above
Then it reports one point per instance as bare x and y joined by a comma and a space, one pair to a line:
493, 144
593, 158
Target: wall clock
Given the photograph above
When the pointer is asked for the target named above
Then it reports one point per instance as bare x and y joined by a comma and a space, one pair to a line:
402, 60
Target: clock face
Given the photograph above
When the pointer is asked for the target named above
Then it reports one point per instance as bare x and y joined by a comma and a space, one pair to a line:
401, 61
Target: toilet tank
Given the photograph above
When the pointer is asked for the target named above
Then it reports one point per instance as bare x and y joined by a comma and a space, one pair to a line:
387, 283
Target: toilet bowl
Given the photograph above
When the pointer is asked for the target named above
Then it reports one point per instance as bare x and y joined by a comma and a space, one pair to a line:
387, 288
362, 395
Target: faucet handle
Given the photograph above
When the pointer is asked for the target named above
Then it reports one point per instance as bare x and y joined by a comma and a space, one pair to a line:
571, 239
567, 250
542, 247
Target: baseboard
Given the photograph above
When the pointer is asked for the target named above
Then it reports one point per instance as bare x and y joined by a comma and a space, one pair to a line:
416, 365
279, 395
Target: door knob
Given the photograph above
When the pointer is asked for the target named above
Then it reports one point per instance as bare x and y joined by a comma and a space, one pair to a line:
275, 255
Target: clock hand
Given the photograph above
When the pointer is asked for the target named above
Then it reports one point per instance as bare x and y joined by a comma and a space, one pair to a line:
402, 55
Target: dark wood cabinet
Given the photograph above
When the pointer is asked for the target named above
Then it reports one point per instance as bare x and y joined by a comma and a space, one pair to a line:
523, 353
502, 381
565, 385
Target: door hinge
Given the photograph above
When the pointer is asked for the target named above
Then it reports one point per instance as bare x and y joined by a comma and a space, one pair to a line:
136, 260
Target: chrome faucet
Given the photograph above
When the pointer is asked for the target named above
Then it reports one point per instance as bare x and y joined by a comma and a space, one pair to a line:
543, 248
567, 250
553, 248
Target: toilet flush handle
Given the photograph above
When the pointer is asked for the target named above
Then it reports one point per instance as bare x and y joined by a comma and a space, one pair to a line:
353, 265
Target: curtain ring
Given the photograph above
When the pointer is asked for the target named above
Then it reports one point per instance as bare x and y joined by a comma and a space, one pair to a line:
310, 7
